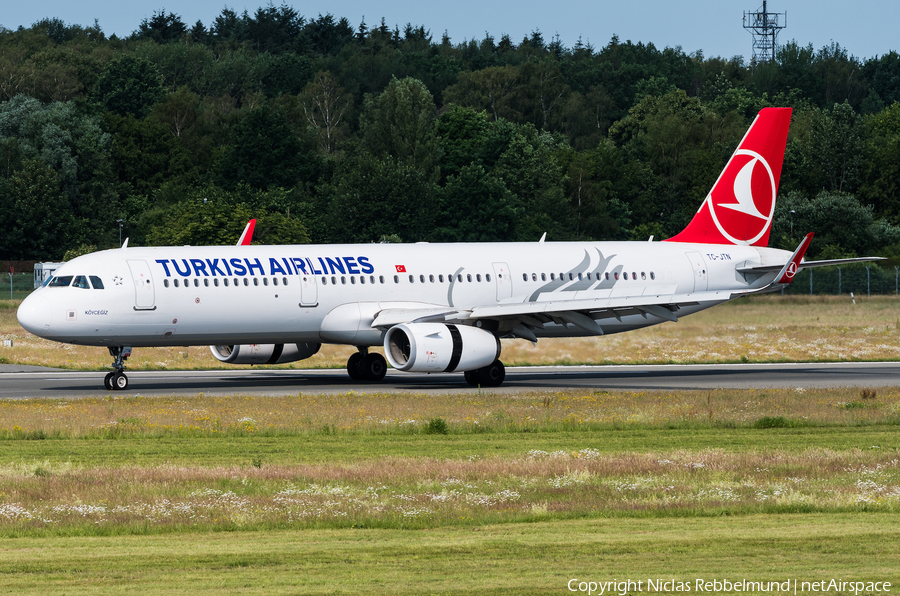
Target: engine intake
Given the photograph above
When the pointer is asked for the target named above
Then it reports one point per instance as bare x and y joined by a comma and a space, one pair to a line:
264, 353
437, 347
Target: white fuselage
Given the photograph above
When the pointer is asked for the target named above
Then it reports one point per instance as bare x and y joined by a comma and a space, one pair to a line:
182, 296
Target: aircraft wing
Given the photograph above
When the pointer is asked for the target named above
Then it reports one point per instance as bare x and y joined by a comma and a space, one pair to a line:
522, 317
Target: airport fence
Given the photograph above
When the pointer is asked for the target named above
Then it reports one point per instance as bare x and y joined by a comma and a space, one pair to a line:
15, 286
858, 278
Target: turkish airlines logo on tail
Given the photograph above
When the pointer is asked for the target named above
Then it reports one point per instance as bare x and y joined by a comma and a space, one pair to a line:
742, 203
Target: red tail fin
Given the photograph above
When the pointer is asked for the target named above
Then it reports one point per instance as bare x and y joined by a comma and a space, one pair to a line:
741, 204
247, 235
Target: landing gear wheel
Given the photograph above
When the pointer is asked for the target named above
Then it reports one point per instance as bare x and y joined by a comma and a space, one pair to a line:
116, 380
373, 367
354, 368
493, 374
471, 377
119, 381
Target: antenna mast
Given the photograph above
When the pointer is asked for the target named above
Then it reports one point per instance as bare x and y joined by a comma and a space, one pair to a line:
764, 27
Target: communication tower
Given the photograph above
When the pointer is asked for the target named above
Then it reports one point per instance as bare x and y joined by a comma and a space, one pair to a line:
764, 27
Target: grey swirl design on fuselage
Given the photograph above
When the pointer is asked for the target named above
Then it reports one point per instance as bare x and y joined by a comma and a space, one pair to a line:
452, 284
580, 284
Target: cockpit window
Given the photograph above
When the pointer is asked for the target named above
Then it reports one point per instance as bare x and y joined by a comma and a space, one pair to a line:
61, 282
96, 282
81, 282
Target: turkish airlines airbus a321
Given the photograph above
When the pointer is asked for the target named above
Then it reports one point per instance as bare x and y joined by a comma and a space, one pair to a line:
434, 307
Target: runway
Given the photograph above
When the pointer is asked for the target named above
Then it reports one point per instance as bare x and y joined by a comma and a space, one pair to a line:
55, 383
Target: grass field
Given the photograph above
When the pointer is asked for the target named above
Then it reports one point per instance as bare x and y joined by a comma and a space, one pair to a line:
475, 493
478, 494
760, 329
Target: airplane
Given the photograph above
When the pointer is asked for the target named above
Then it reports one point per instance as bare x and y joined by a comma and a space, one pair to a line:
433, 307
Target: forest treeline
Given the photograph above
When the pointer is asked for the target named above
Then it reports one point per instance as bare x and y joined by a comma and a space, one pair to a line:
332, 133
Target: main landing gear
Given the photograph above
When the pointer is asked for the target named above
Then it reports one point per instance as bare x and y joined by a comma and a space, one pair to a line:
116, 380
363, 366
491, 375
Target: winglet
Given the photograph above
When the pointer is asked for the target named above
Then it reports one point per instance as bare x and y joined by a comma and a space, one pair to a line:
790, 269
247, 236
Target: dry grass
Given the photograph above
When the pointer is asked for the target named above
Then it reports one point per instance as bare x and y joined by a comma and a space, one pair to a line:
762, 329
407, 492
404, 413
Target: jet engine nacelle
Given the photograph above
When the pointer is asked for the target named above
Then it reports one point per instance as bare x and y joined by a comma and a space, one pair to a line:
264, 353
437, 347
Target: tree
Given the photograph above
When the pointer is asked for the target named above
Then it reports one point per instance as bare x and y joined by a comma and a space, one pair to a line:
161, 27
129, 85
211, 216
399, 122
475, 207
326, 106
265, 152
377, 196
39, 223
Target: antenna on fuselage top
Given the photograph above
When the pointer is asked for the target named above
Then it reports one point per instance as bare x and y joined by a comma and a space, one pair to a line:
125, 244
543, 238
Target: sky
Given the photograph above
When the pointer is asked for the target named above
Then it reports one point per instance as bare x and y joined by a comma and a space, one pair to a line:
866, 28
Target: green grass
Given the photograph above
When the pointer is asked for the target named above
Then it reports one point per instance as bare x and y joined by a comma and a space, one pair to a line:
348, 448
534, 558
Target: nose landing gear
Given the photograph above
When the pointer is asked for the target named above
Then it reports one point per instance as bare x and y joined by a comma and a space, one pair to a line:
116, 380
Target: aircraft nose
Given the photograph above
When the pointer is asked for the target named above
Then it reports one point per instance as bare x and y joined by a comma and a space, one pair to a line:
34, 315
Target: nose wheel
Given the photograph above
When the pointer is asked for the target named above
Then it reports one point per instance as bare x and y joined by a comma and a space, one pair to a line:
117, 380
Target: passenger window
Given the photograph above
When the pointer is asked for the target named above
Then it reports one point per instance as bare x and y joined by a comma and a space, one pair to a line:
225, 281
96, 282
607, 275
616, 275
196, 283
469, 277
422, 278
343, 280
552, 276
524, 277
333, 280
633, 275
459, 277
396, 279
441, 278
206, 282
625, 275
166, 283
255, 281
274, 281
487, 277
652, 275
571, 276
246, 282
380, 278
216, 281
478, 277
643, 275
176, 283
534, 277
362, 279
579, 277
324, 281
543, 277
285, 280
431, 278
